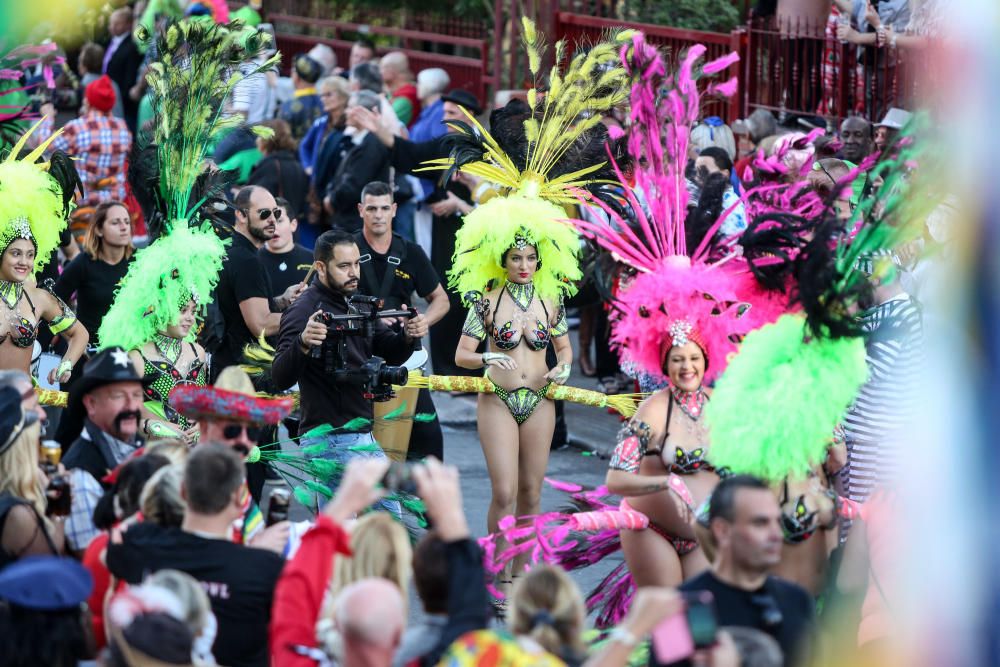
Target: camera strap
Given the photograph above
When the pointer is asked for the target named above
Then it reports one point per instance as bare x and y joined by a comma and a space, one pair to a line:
394, 258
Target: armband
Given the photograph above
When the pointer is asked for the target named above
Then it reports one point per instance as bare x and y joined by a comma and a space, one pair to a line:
66, 317
561, 327
475, 320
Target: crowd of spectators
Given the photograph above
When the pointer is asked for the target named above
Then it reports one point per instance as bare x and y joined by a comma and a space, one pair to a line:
164, 581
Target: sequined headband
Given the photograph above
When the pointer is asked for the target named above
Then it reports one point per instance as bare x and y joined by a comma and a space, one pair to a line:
19, 228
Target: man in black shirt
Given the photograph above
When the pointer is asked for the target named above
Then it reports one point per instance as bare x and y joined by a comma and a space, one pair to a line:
285, 261
244, 291
393, 269
239, 580
745, 520
325, 399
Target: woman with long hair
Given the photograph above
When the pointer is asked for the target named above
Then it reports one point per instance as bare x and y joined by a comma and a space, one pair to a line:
547, 608
93, 276
25, 528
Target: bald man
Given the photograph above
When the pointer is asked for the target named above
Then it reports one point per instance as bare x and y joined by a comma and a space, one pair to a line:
398, 81
371, 617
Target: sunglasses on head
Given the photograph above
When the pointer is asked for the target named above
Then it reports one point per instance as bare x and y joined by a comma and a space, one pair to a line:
265, 213
233, 431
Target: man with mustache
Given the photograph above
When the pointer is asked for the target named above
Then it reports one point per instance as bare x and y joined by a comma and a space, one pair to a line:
323, 398
106, 400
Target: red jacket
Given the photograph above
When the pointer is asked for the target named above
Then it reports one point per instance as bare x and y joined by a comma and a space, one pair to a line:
299, 594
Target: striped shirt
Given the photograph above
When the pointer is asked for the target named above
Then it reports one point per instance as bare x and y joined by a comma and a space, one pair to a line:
877, 421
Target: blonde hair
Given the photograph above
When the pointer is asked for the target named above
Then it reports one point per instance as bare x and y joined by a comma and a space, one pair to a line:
19, 468
380, 547
161, 501
547, 607
189, 593
174, 450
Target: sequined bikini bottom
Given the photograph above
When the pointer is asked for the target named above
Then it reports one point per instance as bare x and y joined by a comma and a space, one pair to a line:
521, 401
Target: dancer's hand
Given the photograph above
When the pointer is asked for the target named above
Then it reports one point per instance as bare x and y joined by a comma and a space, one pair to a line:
560, 373
358, 489
499, 360
438, 486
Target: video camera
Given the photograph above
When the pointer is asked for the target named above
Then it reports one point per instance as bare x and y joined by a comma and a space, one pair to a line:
375, 377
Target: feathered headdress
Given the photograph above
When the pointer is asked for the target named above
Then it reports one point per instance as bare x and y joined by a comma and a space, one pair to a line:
539, 155
677, 296
189, 85
774, 411
36, 197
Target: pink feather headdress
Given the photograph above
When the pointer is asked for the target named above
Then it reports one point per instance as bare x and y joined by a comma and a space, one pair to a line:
675, 291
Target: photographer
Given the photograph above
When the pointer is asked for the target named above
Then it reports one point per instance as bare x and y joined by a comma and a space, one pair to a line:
306, 347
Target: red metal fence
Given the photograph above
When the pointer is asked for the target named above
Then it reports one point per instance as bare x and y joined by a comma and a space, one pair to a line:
297, 34
577, 29
805, 69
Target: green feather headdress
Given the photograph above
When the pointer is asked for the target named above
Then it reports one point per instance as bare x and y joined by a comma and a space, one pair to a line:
189, 85
36, 197
774, 410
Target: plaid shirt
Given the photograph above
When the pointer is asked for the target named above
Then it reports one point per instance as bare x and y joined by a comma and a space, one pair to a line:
99, 144
80, 528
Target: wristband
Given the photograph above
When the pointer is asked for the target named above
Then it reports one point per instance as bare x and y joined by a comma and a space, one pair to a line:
64, 366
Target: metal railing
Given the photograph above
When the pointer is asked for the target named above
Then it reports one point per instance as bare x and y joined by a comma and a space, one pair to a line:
804, 69
297, 34
577, 29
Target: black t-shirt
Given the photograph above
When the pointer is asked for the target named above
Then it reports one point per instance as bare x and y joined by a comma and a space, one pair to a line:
242, 277
287, 268
413, 273
94, 282
735, 606
239, 581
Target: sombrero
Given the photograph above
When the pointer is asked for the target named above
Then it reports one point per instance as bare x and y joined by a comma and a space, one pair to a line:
232, 398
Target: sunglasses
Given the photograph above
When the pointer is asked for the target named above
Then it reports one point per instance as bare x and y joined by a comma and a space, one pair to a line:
233, 431
265, 213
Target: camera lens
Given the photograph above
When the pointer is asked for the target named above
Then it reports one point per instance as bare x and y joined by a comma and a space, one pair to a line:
396, 375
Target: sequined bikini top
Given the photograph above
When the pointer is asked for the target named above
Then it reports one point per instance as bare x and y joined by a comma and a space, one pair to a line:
505, 337
679, 460
22, 331
799, 524
161, 376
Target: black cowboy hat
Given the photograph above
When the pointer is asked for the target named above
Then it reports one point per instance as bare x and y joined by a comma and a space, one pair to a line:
106, 367
13, 418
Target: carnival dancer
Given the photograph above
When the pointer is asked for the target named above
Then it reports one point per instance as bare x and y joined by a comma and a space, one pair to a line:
676, 321
35, 199
515, 260
157, 306
795, 379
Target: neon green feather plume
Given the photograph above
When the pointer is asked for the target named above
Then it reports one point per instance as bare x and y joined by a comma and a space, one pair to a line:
190, 84
491, 229
773, 411
176, 268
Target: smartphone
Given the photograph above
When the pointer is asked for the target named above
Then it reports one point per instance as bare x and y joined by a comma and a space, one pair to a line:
678, 637
399, 478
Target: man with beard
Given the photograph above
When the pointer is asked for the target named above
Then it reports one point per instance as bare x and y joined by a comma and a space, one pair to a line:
244, 290
106, 401
324, 399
